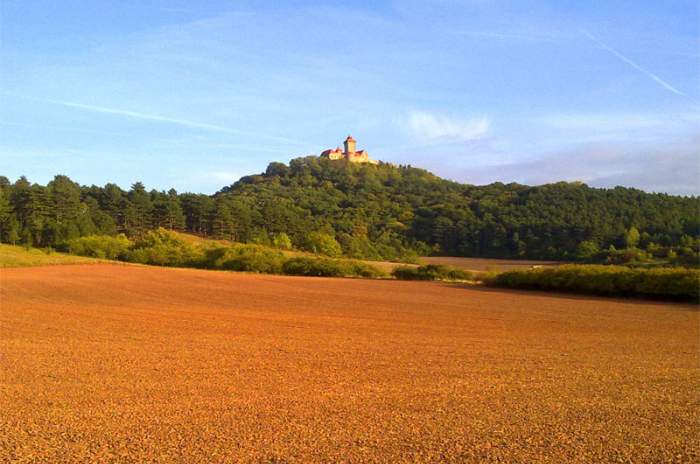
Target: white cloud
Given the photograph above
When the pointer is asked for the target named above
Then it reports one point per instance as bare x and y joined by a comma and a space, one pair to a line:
429, 126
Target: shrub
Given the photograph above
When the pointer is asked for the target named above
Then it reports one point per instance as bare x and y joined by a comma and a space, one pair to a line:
431, 272
247, 258
282, 241
360, 269
669, 283
163, 248
326, 244
308, 266
100, 246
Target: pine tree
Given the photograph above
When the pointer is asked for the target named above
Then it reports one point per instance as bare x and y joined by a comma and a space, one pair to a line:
6, 216
142, 208
222, 220
175, 216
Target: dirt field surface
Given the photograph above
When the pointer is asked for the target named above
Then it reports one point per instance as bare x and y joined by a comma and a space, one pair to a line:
106, 363
486, 264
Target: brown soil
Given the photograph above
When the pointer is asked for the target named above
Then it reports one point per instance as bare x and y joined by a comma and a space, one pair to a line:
105, 363
486, 264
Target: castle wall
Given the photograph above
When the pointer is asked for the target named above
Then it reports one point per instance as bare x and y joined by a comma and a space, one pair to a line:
349, 154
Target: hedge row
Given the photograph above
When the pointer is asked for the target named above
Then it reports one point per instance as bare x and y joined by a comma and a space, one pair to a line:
163, 248
663, 283
307, 266
431, 272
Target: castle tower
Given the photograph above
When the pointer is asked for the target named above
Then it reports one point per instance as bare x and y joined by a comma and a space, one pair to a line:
349, 146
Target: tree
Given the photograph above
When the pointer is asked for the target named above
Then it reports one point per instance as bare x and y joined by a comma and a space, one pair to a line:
65, 198
175, 218
67, 215
115, 203
282, 241
140, 200
6, 216
587, 250
632, 237
198, 211
221, 220
320, 242
12, 232
389, 212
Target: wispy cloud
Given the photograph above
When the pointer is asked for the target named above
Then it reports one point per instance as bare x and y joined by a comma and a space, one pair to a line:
624, 59
425, 125
143, 116
162, 119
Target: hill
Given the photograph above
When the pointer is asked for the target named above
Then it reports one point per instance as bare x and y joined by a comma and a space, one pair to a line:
380, 210
369, 212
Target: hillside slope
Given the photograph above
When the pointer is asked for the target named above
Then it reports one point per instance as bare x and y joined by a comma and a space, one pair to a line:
381, 209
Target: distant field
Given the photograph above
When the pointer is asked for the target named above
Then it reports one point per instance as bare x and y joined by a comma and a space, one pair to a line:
486, 264
107, 363
17, 256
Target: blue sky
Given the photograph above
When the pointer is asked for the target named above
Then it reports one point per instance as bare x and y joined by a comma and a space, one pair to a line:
193, 95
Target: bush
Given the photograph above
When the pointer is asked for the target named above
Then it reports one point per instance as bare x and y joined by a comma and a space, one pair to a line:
247, 258
431, 272
282, 241
325, 244
163, 248
668, 283
307, 266
100, 246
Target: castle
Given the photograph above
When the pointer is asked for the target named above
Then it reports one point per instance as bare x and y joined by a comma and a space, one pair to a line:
349, 153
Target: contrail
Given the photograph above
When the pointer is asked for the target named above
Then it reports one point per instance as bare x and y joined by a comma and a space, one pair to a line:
136, 115
623, 58
158, 118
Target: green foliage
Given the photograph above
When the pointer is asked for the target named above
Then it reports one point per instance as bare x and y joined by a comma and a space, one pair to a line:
398, 209
626, 256
587, 250
632, 237
163, 248
323, 243
368, 212
23, 256
431, 272
247, 258
101, 246
307, 266
282, 241
669, 283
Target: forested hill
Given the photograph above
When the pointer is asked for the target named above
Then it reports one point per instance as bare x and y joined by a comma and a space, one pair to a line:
363, 211
369, 208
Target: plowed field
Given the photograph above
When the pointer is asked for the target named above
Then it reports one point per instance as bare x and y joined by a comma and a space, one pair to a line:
107, 363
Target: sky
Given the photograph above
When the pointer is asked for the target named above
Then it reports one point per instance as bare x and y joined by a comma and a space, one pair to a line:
194, 95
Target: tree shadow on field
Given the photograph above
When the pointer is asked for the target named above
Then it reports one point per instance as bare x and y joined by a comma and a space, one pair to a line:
682, 305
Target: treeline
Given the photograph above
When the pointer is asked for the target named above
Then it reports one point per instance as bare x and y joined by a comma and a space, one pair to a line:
674, 284
370, 212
